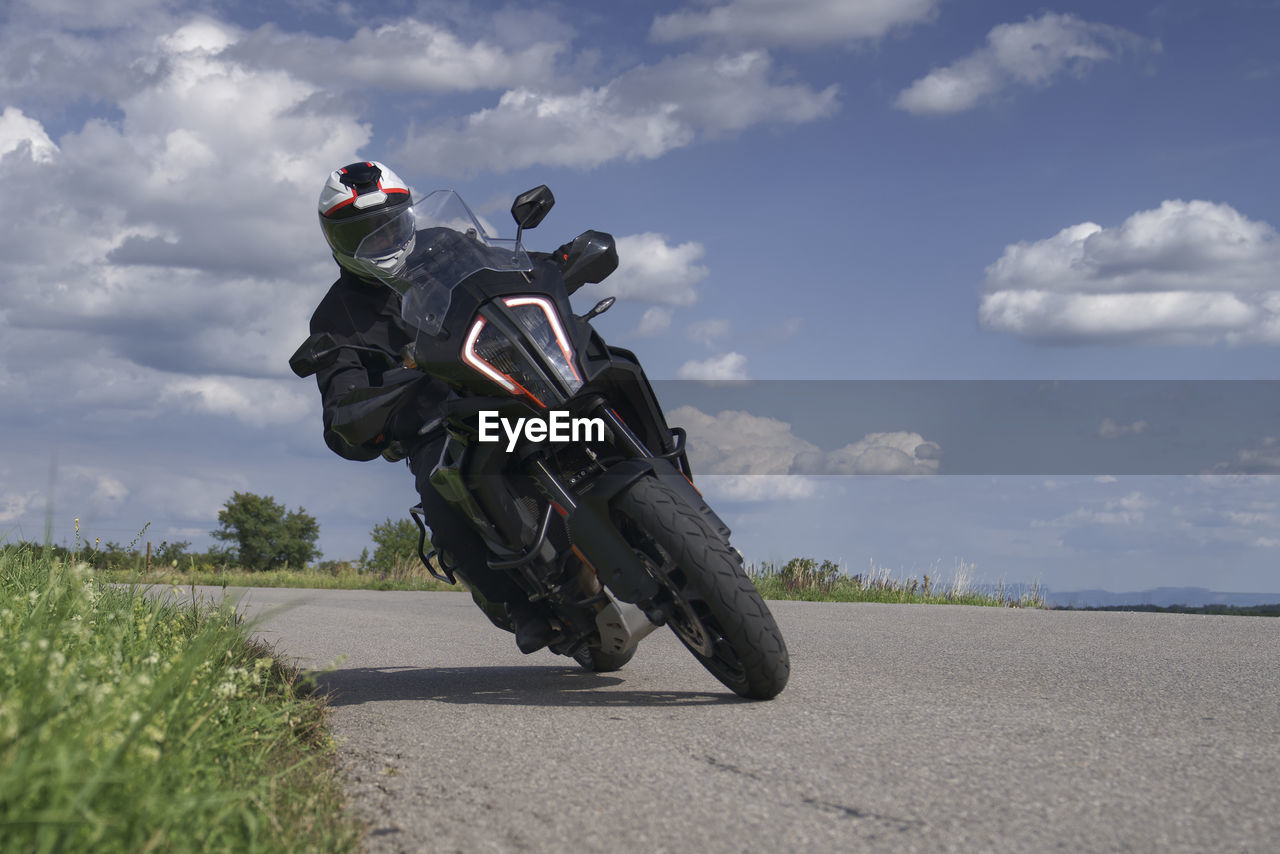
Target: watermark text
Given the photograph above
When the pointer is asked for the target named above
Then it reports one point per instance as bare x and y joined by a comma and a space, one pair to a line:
558, 426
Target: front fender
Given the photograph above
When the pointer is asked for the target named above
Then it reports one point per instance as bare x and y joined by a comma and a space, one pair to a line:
594, 533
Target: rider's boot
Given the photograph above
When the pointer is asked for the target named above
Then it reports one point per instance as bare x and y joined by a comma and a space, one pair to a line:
533, 630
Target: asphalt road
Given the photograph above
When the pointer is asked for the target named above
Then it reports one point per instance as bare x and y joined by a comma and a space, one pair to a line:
904, 728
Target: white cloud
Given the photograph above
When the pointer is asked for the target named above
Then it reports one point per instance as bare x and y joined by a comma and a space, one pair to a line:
709, 331
257, 402
1112, 429
1184, 272
1263, 458
652, 270
724, 367
1031, 53
739, 443
792, 22
640, 115
655, 321
1127, 511
13, 505
406, 55
19, 132
105, 488
757, 487
192, 251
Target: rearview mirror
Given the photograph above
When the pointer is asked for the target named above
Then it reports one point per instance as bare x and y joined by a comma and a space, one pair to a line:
531, 206
591, 257
316, 352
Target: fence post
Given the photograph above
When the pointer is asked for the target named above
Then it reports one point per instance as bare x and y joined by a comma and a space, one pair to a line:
148, 555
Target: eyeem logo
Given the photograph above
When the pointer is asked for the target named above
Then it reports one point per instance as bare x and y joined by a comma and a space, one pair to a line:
558, 427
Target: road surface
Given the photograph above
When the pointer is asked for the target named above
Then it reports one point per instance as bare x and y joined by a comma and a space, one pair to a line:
904, 728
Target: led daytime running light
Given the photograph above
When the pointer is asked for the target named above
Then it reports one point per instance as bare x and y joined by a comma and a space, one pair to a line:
553, 317
469, 356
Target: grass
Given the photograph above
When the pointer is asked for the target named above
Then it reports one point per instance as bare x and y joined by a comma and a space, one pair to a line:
800, 578
408, 574
133, 724
808, 580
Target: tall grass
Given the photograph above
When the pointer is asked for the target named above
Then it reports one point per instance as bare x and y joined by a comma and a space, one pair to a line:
810, 580
406, 574
133, 724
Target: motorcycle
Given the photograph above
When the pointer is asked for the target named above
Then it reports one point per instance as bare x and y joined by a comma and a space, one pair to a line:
602, 526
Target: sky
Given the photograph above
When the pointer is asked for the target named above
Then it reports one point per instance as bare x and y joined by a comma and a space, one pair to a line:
829, 191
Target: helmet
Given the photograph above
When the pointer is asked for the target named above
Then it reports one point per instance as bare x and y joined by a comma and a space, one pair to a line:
360, 198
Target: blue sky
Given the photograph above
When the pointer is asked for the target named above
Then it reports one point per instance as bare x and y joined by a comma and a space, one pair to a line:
802, 190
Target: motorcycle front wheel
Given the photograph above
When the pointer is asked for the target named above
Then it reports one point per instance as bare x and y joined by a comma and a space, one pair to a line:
716, 611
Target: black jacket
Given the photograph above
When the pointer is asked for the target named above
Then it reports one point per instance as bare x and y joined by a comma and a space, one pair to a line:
356, 311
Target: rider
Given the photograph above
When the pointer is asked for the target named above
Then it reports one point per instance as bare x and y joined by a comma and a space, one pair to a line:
354, 201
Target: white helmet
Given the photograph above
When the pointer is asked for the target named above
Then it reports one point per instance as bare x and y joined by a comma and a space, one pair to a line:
357, 199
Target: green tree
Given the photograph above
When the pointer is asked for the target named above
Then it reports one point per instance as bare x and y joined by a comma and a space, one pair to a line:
265, 534
395, 542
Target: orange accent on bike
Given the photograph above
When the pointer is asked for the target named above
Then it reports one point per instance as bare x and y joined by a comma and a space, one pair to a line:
584, 560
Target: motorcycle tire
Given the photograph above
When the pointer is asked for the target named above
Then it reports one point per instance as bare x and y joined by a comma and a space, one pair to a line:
719, 615
599, 661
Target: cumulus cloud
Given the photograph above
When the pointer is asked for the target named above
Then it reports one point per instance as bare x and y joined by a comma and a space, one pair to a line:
1185, 272
653, 270
721, 368
655, 321
639, 115
740, 443
409, 55
735, 442
1033, 52
792, 22
1109, 428
13, 505
171, 265
22, 134
253, 401
1263, 458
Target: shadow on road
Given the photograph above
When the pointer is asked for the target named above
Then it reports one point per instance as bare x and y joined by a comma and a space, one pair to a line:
500, 686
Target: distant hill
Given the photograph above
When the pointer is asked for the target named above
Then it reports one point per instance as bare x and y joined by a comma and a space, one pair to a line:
1161, 596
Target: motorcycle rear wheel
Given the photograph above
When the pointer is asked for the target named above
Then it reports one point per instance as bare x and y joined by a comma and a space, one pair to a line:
718, 614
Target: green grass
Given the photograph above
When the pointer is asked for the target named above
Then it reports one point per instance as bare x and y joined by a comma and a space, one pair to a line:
799, 578
133, 724
406, 574
283, 578
809, 580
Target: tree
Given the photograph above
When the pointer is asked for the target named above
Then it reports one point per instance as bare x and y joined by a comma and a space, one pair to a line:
265, 534
395, 541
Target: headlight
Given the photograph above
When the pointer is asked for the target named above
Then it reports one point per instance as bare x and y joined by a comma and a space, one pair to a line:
508, 364
539, 317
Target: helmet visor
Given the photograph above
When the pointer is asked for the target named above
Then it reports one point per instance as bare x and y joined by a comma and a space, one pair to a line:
386, 231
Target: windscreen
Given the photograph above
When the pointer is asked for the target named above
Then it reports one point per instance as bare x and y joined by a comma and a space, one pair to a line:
431, 248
